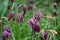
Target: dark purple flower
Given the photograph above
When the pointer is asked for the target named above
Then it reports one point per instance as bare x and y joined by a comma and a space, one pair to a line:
12, 1
30, 7
35, 25
31, 1
19, 17
9, 7
24, 7
5, 35
10, 16
54, 13
45, 35
55, 5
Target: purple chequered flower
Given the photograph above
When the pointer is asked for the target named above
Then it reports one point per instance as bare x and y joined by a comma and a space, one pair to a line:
10, 16
35, 25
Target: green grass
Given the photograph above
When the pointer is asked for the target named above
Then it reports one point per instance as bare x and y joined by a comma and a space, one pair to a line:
24, 31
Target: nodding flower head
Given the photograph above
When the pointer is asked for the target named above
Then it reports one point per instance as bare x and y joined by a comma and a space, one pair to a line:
6, 28
30, 7
24, 7
5, 35
54, 13
9, 7
12, 1
45, 35
31, 1
19, 17
10, 16
35, 25
55, 5
37, 15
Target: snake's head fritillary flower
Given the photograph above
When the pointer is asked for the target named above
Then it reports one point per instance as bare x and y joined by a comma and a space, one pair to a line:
55, 5
6, 28
31, 1
24, 7
9, 7
19, 17
5, 35
12, 1
54, 13
35, 25
10, 16
30, 7
45, 35
37, 15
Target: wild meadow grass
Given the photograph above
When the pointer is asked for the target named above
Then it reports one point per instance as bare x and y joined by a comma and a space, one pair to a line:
19, 25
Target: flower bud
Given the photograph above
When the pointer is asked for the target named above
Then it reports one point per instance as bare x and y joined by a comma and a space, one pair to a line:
19, 17
10, 16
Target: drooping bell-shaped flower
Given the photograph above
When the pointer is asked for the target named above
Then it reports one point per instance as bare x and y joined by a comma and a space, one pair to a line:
35, 25
37, 15
5, 35
10, 16
6, 28
54, 13
31, 1
9, 7
45, 35
55, 5
30, 7
19, 17
24, 7
12, 1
